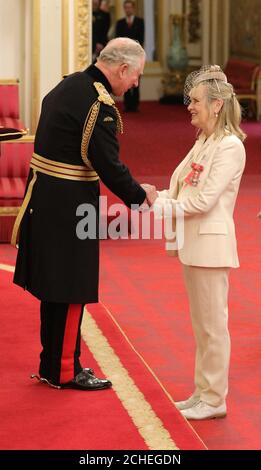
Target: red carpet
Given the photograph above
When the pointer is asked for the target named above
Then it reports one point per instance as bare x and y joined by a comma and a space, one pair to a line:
148, 299
35, 416
150, 302
147, 383
157, 139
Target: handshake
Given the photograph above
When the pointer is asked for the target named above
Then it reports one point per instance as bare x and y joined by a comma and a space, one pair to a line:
151, 193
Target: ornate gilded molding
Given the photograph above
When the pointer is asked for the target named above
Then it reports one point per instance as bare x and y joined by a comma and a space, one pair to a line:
82, 29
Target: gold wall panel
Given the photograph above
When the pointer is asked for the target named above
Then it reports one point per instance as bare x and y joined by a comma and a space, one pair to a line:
245, 27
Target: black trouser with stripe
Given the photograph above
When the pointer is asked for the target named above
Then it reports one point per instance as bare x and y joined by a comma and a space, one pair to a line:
61, 341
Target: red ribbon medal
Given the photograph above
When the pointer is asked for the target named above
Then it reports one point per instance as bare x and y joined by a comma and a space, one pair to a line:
193, 177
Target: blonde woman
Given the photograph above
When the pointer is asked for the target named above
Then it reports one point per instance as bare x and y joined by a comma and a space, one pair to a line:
205, 185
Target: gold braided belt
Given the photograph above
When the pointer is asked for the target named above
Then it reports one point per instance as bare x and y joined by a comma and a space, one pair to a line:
51, 168
62, 170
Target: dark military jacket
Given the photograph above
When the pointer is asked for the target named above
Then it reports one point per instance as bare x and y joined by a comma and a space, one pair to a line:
53, 263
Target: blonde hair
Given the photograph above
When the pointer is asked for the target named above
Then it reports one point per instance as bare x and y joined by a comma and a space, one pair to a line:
230, 114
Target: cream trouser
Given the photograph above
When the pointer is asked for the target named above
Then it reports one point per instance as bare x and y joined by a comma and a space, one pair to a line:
207, 290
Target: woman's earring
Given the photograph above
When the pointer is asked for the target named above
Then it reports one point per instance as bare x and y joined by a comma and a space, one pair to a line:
216, 115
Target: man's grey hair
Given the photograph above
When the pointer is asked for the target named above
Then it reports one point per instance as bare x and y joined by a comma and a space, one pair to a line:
122, 51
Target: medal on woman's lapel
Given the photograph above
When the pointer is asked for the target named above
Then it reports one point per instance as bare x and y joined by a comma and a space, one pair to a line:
193, 177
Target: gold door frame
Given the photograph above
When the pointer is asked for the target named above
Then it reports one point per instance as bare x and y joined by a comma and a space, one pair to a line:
82, 33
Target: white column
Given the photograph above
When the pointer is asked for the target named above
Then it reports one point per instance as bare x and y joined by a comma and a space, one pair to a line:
26, 89
150, 29
15, 56
10, 38
50, 45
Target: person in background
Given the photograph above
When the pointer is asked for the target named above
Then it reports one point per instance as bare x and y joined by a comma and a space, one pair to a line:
205, 187
105, 6
132, 27
101, 21
75, 145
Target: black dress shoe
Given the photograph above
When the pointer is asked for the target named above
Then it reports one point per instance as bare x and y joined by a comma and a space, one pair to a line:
88, 370
87, 381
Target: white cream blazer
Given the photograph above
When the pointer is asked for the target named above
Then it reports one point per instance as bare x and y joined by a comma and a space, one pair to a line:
209, 231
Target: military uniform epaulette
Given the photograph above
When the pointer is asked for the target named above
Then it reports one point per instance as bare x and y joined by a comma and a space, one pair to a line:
105, 98
104, 95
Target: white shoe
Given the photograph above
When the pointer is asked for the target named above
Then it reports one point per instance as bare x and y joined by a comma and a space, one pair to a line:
185, 404
202, 410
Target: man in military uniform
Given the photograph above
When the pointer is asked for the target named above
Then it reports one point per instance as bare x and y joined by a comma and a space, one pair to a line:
75, 145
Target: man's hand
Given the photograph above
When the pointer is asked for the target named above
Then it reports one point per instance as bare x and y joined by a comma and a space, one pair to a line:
151, 193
